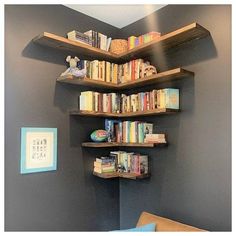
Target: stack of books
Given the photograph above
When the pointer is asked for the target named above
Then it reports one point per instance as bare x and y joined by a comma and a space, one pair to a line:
92, 38
99, 102
112, 72
121, 103
102, 70
99, 40
134, 41
79, 37
127, 131
104, 165
146, 101
125, 162
155, 138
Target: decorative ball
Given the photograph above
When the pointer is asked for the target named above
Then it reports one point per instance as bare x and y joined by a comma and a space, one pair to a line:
99, 135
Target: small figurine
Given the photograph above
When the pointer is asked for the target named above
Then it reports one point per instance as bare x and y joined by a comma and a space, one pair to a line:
148, 71
73, 69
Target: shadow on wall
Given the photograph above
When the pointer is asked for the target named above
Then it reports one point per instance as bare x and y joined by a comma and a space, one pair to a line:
184, 55
44, 53
81, 127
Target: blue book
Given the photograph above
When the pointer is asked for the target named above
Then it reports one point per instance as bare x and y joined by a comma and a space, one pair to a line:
168, 98
110, 128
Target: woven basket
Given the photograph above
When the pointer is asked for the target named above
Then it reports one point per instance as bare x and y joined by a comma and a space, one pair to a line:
119, 46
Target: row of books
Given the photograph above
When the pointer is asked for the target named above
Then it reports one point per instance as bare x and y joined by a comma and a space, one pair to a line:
92, 38
167, 98
127, 131
121, 103
114, 73
121, 161
99, 40
134, 41
132, 132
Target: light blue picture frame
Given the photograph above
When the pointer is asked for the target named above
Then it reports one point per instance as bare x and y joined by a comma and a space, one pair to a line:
23, 166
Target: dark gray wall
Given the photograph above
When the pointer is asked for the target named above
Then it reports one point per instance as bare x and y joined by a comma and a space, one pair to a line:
70, 198
191, 179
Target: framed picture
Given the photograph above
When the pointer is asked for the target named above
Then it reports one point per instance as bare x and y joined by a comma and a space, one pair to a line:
38, 149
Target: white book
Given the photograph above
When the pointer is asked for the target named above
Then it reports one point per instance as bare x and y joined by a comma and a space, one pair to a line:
103, 41
108, 44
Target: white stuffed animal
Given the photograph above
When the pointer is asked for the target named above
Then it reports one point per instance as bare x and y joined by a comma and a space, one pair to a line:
73, 69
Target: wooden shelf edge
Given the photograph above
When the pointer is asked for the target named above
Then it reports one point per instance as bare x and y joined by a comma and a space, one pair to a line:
173, 38
114, 144
121, 175
160, 77
128, 114
201, 33
106, 175
56, 41
70, 79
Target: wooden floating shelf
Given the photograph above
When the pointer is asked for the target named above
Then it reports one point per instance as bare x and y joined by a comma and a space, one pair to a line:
121, 175
175, 38
61, 43
114, 144
87, 82
170, 40
165, 76
128, 114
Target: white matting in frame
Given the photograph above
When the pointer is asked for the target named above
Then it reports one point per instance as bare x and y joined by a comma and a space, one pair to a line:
38, 149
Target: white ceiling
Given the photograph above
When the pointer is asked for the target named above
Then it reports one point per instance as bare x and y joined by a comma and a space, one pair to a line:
116, 15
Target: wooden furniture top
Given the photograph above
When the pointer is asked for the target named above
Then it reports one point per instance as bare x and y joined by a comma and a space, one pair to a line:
173, 39
160, 77
115, 144
121, 175
162, 111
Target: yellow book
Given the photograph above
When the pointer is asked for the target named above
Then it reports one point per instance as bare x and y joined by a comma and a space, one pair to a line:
132, 132
112, 73
95, 69
108, 71
115, 73
89, 101
129, 73
132, 42
100, 170
102, 165
103, 70
162, 98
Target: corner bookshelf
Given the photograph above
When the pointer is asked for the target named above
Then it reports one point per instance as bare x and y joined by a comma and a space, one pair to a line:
176, 38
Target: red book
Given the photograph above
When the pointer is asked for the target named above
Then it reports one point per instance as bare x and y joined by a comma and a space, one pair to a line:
145, 102
148, 101
151, 101
137, 164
